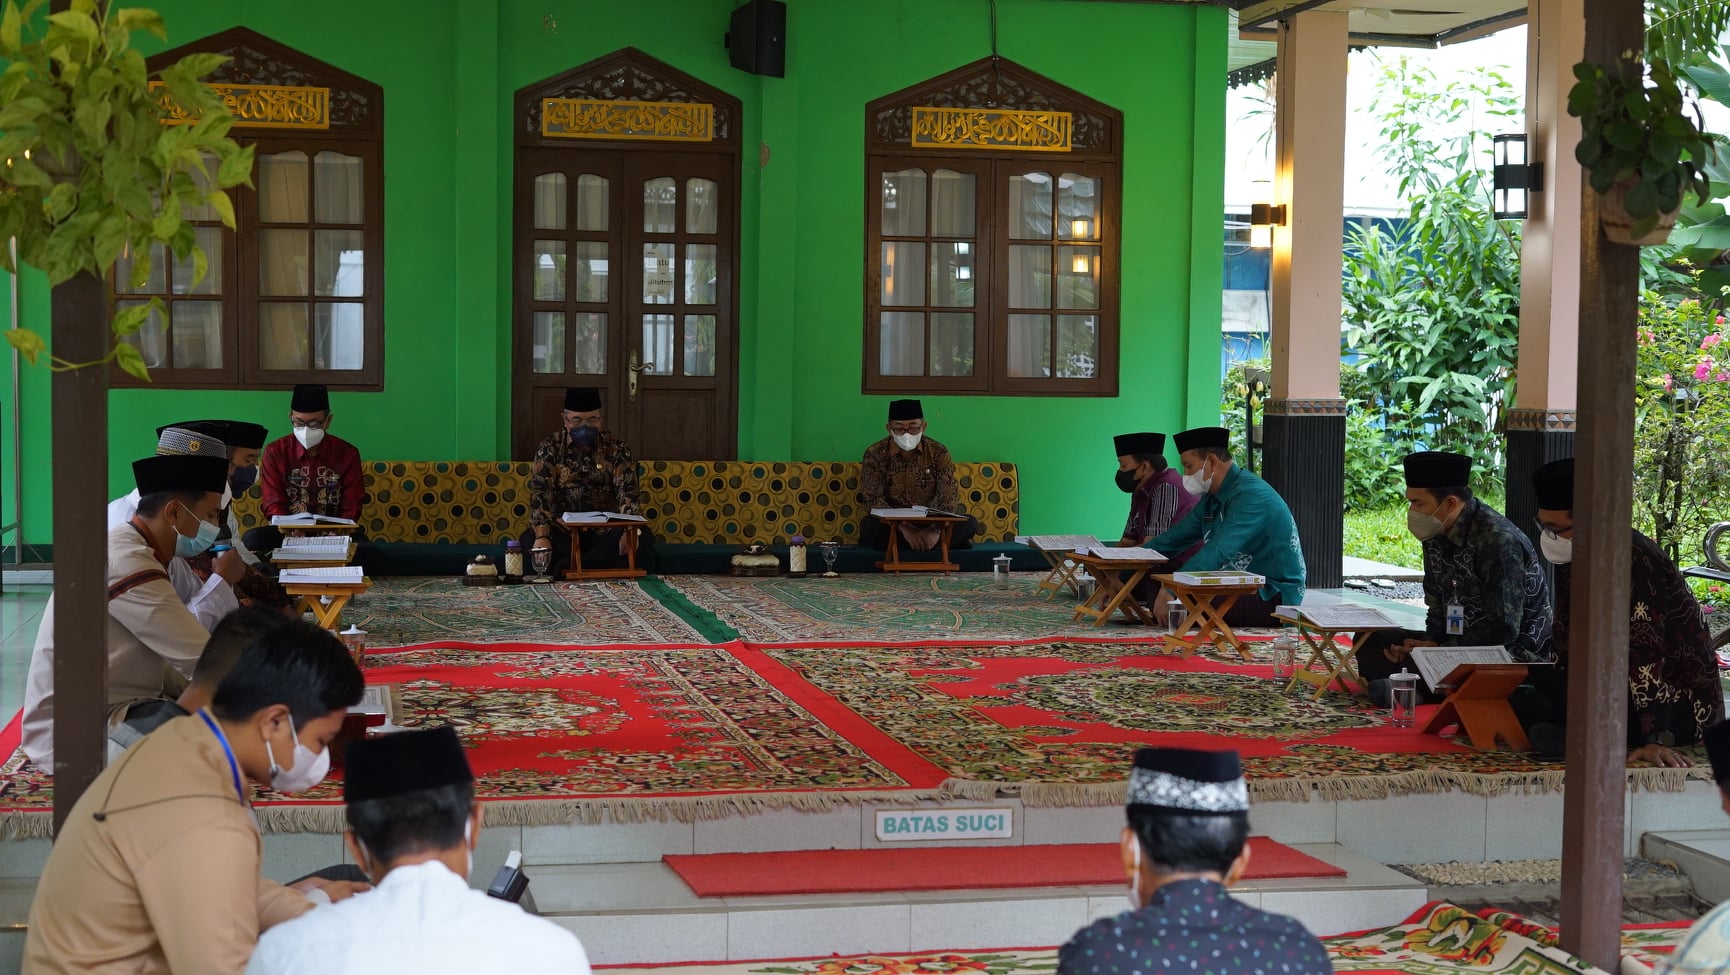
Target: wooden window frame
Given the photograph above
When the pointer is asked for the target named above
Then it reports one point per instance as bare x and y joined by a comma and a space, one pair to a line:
357, 129
1096, 151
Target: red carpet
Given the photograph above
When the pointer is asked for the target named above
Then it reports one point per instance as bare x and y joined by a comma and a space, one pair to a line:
946, 868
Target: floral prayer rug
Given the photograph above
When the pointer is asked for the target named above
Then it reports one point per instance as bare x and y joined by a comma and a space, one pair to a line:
557, 735
1058, 722
399, 612
888, 608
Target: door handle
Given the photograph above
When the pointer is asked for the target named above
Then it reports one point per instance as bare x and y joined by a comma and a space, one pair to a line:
632, 372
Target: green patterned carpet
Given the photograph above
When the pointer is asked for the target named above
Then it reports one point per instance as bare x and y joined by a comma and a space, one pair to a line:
406, 611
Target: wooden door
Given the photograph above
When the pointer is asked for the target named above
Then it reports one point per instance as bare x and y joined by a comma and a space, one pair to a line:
624, 280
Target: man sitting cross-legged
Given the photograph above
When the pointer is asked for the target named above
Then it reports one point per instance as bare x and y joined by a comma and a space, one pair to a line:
1186, 842
413, 824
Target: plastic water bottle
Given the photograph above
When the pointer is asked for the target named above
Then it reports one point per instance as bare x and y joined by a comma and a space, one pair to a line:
1285, 649
1403, 704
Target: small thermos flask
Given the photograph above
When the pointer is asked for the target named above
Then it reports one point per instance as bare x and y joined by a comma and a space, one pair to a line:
797, 555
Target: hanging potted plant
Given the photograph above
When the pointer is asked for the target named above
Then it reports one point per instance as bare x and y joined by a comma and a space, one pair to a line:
1642, 150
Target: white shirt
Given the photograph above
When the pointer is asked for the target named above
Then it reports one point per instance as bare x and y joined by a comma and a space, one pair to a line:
208, 599
420, 920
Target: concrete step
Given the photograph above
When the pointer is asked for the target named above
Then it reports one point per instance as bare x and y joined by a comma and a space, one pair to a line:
1702, 854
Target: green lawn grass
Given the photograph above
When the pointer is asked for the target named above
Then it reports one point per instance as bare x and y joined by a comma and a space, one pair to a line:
1381, 535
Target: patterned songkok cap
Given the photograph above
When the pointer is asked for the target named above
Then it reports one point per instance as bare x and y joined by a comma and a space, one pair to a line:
1189, 781
183, 442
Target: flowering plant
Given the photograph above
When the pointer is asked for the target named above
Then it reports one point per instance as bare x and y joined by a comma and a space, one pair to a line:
1682, 421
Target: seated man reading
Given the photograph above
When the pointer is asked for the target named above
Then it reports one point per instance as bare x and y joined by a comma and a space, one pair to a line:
1157, 500
1483, 584
582, 467
412, 826
908, 469
310, 471
1185, 844
153, 639
1674, 693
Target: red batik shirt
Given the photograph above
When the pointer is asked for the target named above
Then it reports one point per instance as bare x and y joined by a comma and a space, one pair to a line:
324, 481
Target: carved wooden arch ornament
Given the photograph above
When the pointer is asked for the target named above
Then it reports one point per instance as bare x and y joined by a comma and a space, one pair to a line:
626, 99
1025, 110
269, 85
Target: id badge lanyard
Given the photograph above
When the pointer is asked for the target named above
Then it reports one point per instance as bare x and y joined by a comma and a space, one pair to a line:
1456, 616
233, 766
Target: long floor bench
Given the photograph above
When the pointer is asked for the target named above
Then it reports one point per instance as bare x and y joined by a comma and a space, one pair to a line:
433, 517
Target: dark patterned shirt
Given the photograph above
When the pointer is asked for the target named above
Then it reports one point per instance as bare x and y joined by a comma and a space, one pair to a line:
1488, 567
1673, 687
568, 478
1194, 927
1157, 505
325, 480
890, 477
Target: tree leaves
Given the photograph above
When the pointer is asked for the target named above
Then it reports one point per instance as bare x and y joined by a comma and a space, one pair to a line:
28, 343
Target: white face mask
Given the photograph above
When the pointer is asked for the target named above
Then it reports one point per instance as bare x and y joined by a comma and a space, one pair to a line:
908, 441
1557, 549
309, 768
309, 437
1197, 483
1423, 526
1135, 878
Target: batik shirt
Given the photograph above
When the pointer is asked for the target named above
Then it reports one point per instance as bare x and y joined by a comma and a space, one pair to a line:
571, 478
1244, 527
890, 477
325, 480
1196, 928
1673, 689
1157, 504
1487, 567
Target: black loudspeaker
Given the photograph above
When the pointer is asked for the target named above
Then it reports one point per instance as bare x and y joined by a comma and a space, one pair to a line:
757, 38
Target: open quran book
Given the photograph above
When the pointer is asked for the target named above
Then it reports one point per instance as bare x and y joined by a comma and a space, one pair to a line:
307, 519
597, 517
1113, 554
1339, 617
1436, 663
338, 574
1060, 543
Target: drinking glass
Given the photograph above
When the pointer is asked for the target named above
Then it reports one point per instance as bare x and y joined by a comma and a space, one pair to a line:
1176, 617
543, 560
1404, 704
831, 551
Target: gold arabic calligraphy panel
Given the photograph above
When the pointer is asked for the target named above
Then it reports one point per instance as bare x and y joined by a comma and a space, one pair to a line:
991, 128
258, 106
594, 118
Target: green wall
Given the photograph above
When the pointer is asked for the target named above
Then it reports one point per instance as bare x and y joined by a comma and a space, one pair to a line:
448, 84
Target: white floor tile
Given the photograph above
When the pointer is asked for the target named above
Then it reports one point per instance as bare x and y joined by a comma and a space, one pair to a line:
11, 952
1107, 905
1000, 924
1427, 828
1698, 806
1327, 913
291, 856
612, 887
23, 858
645, 939
1524, 827
808, 933
1294, 822
780, 830
495, 845
15, 899
1042, 825
606, 842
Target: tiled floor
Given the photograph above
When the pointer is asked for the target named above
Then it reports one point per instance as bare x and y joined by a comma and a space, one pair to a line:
20, 614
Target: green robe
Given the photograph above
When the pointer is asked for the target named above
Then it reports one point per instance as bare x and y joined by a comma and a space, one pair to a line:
1244, 527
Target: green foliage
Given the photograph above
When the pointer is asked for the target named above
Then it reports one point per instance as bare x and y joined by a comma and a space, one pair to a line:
88, 170
1635, 133
1432, 308
1680, 31
1379, 534
1682, 421
1236, 393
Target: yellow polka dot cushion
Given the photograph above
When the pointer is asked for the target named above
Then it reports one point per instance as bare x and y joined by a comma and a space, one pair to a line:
686, 502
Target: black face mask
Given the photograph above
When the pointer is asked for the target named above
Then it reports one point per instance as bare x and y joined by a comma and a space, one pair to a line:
1126, 482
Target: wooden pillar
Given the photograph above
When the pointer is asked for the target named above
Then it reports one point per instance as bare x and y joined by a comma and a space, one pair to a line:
1304, 424
80, 474
1592, 817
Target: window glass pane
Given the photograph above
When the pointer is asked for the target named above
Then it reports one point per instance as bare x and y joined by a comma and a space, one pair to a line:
282, 260
952, 199
338, 188
1030, 345
700, 274
1077, 346
904, 203
1029, 276
210, 241
952, 274
152, 340
282, 185
903, 273
901, 343
201, 179
591, 203
660, 205
339, 335
1077, 207
699, 345
701, 201
951, 344
283, 335
550, 201
658, 345
549, 270
658, 275
1030, 206
1077, 277
549, 352
339, 263
197, 329
158, 281
591, 343
591, 270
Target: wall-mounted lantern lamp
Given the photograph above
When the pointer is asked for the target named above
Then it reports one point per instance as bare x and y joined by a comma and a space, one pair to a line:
1513, 178
1264, 216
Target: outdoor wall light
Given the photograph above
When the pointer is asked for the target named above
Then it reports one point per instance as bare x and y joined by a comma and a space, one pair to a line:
1513, 178
1081, 228
1080, 265
1263, 217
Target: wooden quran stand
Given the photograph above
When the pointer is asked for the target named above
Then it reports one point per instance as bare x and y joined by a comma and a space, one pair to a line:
632, 534
892, 558
1479, 705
